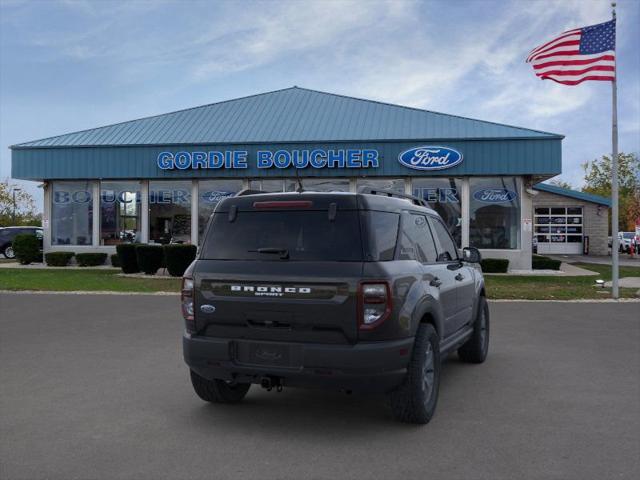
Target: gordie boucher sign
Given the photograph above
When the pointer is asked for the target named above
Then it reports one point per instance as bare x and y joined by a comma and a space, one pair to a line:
417, 158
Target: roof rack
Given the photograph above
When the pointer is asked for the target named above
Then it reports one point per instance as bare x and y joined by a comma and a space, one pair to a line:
389, 193
248, 191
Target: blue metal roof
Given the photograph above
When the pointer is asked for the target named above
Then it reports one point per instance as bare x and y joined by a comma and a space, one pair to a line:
565, 192
292, 115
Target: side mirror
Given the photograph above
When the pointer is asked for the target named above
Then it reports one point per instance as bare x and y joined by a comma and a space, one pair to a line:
471, 255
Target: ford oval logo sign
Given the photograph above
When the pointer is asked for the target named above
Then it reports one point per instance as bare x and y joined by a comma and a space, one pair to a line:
430, 158
495, 195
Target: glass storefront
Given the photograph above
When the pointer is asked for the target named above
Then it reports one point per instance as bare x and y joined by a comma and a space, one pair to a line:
494, 208
170, 211
119, 212
210, 192
494, 213
444, 196
267, 185
72, 213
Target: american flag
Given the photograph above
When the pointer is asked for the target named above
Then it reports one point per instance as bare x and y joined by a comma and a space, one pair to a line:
587, 53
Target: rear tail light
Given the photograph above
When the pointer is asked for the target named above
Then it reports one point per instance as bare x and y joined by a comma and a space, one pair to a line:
374, 304
186, 299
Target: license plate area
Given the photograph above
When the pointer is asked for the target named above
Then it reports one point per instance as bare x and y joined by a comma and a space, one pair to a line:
270, 354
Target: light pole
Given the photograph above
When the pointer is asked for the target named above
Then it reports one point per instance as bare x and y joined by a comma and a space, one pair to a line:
14, 203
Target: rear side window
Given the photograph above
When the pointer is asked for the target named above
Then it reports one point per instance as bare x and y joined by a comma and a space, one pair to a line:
447, 250
416, 242
303, 234
381, 233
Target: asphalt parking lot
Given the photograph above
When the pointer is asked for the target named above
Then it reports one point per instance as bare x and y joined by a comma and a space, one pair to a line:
94, 387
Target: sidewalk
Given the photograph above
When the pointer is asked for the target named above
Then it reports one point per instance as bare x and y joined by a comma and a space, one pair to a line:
624, 259
566, 270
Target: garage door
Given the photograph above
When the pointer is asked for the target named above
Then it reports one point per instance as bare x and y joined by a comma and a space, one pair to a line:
558, 229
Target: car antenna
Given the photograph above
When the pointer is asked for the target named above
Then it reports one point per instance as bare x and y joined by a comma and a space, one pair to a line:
300, 189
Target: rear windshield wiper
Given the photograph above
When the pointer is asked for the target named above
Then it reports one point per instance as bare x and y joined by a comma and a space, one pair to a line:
283, 252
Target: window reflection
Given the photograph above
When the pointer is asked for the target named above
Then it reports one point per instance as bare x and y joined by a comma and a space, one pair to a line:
444, 196
119, 212
72, 213
170, 212
494, 213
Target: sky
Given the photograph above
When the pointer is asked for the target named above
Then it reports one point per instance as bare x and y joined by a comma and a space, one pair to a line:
72, 65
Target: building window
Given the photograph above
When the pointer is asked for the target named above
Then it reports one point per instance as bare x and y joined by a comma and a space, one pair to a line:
119, 212
170, 212
318, 184
444, 196
210, 192
72, 213
393, 184
267, 185
494, 213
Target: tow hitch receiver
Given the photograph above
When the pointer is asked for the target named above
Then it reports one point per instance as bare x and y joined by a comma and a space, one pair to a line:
270, 383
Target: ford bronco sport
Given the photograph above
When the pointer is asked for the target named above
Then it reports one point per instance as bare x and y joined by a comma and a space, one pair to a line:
357, 292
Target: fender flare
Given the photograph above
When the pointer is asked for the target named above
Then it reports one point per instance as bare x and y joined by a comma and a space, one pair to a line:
428, 308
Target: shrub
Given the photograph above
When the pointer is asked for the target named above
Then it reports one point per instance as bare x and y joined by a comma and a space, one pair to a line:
178, 257
545, 263
115, 260
149, 258
27, 248
58, 259
495, 265
90, 259
127, 257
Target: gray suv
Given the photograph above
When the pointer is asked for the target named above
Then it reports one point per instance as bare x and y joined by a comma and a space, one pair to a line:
356, 292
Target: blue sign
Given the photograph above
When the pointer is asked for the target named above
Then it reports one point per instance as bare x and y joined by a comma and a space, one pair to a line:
430, 158
495, 195
264, 159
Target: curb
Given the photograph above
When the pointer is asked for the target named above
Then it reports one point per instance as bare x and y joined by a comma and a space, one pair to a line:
575, 300
80, 292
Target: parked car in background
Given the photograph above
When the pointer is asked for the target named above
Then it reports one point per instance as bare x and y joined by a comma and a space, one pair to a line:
7, 234
625, 240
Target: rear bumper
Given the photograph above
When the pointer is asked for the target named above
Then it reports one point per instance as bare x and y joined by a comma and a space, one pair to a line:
370, 367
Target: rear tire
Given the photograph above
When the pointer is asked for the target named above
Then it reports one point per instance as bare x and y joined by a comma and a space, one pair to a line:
475, 349
415, 400
218, 391
8, 252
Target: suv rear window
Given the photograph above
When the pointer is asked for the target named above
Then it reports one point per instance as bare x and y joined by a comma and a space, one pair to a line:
382, 228
304, 235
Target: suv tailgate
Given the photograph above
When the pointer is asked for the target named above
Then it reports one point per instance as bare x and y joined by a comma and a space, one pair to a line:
277, 300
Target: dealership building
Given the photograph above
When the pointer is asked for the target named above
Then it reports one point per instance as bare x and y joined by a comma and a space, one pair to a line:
158, 179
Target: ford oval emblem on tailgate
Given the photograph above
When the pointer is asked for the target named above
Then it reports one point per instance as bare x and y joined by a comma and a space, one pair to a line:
207, 308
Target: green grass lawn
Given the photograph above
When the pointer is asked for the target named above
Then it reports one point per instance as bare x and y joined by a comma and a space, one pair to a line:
557, 288
81, 280
498, 287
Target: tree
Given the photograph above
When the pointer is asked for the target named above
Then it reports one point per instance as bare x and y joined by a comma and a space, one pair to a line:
25, 207
597, 179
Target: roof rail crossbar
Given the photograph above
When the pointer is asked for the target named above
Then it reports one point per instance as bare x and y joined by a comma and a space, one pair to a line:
389, 193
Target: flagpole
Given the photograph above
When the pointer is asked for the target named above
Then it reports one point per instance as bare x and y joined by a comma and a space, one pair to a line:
614, 177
